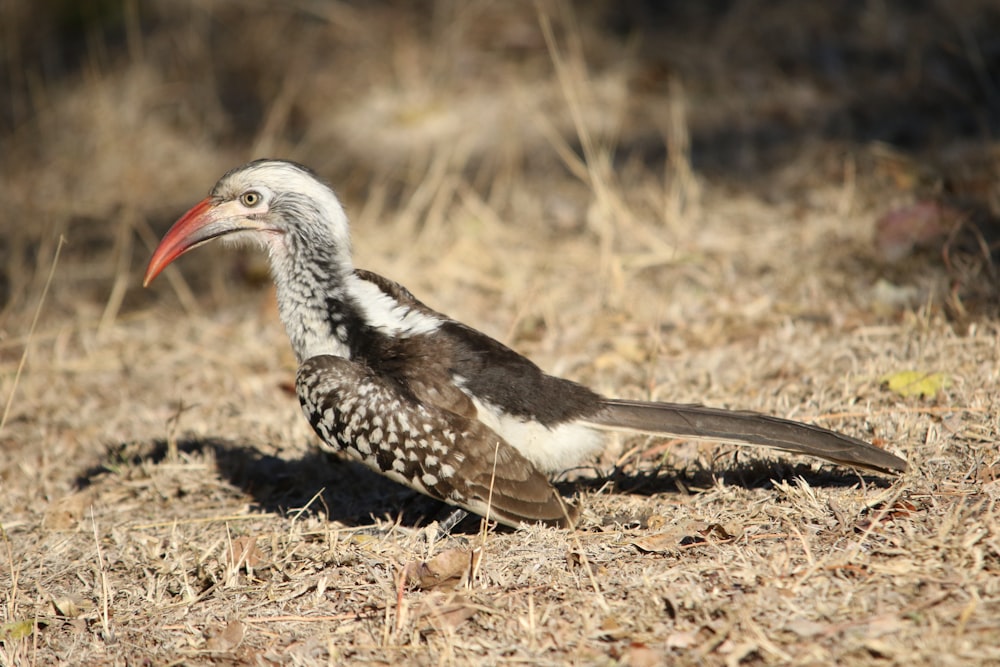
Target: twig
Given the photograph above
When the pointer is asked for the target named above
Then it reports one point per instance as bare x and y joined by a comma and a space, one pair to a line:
31, 331
486, 519
123, 249
105, 594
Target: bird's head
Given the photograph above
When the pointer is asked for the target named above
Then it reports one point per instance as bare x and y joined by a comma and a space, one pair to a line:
279, 205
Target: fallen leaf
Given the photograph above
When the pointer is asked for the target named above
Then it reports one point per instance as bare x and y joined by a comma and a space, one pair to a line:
575, 559
225, 639
447, 568
243, 552
612, 629
65, 513
17, 629
920, 225
72, 607
660, 543
901, 509
720, 532
916, 383
688, 534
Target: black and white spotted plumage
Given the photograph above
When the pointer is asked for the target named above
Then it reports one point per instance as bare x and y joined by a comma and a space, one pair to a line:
423, 399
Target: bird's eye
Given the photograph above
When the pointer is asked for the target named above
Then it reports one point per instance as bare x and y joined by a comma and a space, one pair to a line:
250, 198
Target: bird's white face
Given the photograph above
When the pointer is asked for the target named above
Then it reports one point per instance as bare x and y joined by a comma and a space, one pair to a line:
270, 203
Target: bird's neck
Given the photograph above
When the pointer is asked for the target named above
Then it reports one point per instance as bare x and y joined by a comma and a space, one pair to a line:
315, 305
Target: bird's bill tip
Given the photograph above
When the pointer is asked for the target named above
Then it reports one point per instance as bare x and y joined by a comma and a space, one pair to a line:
181, 237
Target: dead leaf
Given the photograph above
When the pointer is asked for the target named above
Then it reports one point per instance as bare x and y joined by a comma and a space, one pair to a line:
901, 509
848, 569
612, 629
65, 513
363, 540
446, 569
575, 559
225, 639
17, 629
916, 383
660, 543
923, 224
689, 534
243, 552
720, 532
68, 607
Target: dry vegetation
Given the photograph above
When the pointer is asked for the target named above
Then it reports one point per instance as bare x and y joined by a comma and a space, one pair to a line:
676, 203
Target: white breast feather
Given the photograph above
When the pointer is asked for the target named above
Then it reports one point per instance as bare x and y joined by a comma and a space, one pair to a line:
385, 313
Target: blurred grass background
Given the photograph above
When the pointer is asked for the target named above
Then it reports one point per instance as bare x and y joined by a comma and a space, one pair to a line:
116, 114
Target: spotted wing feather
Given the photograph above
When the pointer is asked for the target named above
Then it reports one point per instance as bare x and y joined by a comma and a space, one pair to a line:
443, 454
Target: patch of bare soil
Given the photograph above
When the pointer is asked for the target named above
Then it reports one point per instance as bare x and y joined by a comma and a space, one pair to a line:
780, 207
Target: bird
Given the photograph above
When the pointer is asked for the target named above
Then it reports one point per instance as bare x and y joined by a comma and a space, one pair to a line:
425, 400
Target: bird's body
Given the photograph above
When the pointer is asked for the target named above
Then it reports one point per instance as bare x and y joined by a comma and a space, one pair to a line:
423, 399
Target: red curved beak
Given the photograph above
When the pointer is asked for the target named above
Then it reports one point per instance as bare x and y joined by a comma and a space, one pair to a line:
194, 228
208, 219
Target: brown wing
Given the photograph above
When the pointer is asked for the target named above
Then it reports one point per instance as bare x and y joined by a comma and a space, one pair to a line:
489, 369
442, 453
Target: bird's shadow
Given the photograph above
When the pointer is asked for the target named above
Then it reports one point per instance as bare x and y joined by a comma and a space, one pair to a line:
318, 483
325, 485
747, 472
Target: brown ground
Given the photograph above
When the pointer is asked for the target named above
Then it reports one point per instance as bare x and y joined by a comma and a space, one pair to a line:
674, 203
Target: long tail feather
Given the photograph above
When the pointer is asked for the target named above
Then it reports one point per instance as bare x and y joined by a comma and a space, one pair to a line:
697, 421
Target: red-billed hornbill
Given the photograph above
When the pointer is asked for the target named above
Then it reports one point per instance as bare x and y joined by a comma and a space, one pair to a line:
425, 400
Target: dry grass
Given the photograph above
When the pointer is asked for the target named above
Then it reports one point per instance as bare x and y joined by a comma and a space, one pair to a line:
682, 210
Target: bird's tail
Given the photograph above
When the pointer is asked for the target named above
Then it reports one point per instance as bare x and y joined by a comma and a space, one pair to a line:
700, 422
